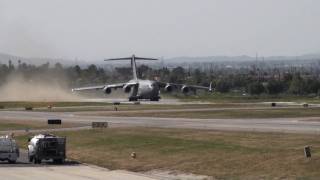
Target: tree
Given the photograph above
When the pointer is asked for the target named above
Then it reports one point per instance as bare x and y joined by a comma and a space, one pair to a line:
312, 86
297, 85
255, 88
198, 77
274, 87
177, 75
223, 86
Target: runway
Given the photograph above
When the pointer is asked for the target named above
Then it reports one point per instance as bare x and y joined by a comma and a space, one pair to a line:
298, 125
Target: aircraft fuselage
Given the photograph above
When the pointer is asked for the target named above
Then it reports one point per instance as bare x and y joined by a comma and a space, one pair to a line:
146, 89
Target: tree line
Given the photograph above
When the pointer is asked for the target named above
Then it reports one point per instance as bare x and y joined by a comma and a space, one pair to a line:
296, 81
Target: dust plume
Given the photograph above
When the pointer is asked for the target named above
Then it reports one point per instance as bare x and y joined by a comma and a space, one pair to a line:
19, 88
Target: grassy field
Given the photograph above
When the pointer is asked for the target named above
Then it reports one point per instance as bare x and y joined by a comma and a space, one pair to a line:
93, 106
133, 107
6, 125
219, 113
223, 155
23, 104
240, 98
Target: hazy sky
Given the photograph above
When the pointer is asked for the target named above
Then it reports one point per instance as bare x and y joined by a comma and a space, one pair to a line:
93, 29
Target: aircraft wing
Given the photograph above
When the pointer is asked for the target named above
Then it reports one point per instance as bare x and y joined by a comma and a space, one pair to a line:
89, 88
178, 86
118, 85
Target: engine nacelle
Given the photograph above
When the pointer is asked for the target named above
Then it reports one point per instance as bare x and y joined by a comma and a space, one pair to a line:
126, 89
107, 90
168, 88
185, 89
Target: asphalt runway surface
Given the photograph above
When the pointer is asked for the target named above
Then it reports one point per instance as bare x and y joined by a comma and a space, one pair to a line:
299, 125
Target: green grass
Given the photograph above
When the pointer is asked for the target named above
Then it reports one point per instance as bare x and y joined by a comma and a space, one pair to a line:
132, 107
239, 98
223, 155
96, 106
23, 104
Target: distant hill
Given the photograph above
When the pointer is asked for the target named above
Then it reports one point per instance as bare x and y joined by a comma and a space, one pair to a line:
4, 58
241, 58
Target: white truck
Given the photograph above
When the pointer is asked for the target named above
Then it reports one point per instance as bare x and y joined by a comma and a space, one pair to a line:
45, 147
9, 150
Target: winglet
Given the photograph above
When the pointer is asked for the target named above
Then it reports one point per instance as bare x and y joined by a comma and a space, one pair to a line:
210, 87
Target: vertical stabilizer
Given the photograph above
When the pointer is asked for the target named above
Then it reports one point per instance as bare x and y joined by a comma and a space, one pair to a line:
134, 67
133, 63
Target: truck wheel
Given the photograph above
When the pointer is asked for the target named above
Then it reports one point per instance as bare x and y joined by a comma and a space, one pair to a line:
154, 99
36, 160
58, 161
11, 161
30, 159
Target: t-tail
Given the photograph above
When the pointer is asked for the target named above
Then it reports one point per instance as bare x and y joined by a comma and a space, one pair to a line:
133, 59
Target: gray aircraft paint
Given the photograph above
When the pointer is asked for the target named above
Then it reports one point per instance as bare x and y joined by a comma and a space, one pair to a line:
138, 88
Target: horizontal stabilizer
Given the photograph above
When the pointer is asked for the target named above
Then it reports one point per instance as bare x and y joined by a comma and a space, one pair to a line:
141, 58
129, 58
116, 59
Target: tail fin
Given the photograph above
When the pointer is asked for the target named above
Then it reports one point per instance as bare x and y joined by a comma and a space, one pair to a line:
133, 63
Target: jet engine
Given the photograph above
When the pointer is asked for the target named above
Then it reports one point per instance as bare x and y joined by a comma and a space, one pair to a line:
126, 89
185, 89
107, 90
168, 88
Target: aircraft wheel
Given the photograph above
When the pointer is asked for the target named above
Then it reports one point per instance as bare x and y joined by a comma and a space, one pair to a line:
11, 161
133, 99
58, 161
154, 99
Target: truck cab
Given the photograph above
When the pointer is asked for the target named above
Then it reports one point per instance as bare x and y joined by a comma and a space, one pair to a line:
47, 147
9, 150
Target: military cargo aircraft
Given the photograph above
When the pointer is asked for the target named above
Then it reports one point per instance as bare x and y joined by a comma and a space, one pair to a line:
143, 89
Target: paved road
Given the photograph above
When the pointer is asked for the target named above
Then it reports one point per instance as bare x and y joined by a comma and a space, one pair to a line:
23, 170
81, 172
301, 125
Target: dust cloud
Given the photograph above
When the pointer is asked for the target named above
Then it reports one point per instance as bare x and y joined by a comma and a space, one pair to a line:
19, 88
